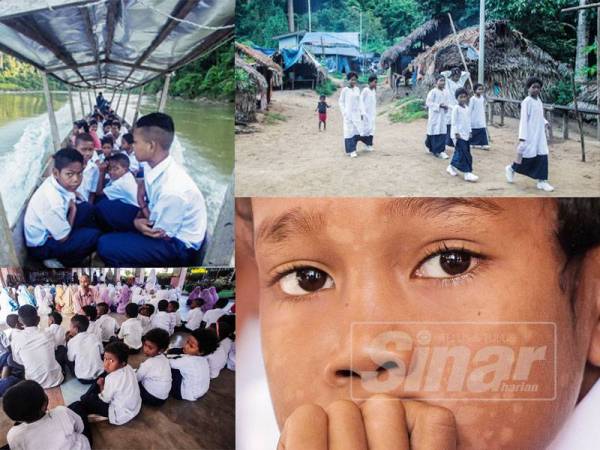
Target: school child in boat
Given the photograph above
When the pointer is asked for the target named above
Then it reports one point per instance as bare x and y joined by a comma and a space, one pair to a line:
368, 105
94, 134
479, 136
532, 150
455, 79
154, 374
56, 227
115, 131
36, 427
79, 127
84, 144
107, 145
322, 107
175, 228
131, 330
349, 102
106, 125
84, 351
437, 110
127, 148
461, 132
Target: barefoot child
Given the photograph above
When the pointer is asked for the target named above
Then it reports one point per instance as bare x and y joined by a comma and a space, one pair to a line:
479, 137
350, 108
368, 105
461, 132
322, 110
154, 374
437, 107
532, 151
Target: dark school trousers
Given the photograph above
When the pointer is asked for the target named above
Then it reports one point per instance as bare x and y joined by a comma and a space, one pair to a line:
115, 215
148, 398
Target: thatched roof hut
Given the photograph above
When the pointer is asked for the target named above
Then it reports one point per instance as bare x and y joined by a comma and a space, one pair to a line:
510, 59
271, 72
249, 87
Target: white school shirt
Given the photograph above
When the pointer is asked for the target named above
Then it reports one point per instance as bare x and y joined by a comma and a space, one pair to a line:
436, 116
218, 359
57, 333
89, 183
94, 328
131, 332
46, 214
34, 349
86, 350
176, 317
121, 390
368, 105
451, 88
175, 202
162, 319
195, 374
212, 315
134, 164
349, 102
461, 123
477, 108
194, 318
146, 323
532, 128
155, 375
59, 429
124, 188
108, 327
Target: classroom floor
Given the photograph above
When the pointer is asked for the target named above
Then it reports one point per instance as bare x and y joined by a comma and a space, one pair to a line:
208, 423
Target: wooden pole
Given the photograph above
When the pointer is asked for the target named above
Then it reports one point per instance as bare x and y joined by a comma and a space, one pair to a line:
579, 121
51, 116
126, 104
165, 93
71, 105
462, 57
137, 107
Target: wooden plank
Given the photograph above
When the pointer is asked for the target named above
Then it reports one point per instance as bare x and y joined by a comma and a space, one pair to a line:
221, 244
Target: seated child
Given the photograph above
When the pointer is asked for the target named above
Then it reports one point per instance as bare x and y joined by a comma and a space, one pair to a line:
218, 359
127, 149
106, 128
107, 324
91, 313
14, 326
56, 227
117, 395
84, 351
35, 427
115, 131
162, 319
94, 134
212, 315
131, 330
195, 315
86, 191
173, 310
34, 349
146, 313
154, 374
190, 370
107, 148
58, 334
119, 207
175, 229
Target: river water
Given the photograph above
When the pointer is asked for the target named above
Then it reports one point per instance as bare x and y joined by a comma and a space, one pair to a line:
203, 143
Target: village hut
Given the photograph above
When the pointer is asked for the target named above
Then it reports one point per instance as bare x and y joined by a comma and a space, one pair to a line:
250, 93
301, 68
271, 72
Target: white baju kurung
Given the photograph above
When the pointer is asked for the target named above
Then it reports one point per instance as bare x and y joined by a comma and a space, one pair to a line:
350, 107
532, 128
368, 106
478, 122
436, 120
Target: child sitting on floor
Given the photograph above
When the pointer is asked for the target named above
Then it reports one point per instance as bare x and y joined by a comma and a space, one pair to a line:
154, 374
91, 313
131, 330
35, 427
190, 369
218, 359
145, 316
107, 324
212, 315
84, 351
58, 335
162, 319
173, 311
195, 315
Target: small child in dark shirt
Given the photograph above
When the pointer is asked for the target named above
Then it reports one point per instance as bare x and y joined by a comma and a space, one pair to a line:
322, 109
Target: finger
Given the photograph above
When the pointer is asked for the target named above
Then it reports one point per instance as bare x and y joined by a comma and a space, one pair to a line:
346, 428
430, 426
305, 428
385, 423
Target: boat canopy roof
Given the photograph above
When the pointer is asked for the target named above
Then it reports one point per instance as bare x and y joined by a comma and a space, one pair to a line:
113, 43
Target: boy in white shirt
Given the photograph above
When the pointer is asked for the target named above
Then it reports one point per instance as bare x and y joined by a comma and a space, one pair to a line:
218, 359
58, 335
35, 427
84, 144
34, 350
195, 315
84, 351
154, 374
162, 319
461, 132
56, 227
131, 330
107, 324
127, 149
91, 313
115, 131
145, 314
175, 228
212, 315
173, 311
479, 137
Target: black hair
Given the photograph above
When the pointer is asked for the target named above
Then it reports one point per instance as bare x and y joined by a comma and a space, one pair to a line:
175, 303
119, 349
90, 311
158, 127
83, 137
533, 80
159, 337
460, 91
128, 138
107, 140
131, 310
93, 122
372, 78
116, 122
28, 315
477, 86
439, 76
121, 159
351, 75
107, 123
221, 303
162, 305
66, 156
56, 317
207, 340
225, 328
80, 322
456, 71
25, 401
12, 320
150, 308
102, 305
82, 124
321, 97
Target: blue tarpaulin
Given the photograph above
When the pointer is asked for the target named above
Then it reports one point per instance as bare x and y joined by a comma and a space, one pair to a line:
291, 56
267, 51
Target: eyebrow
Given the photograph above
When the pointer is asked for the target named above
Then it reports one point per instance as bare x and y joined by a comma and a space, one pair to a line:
294, 221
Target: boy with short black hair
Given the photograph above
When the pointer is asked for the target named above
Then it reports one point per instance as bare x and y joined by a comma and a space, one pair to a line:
131, 330
154, 374
127, 148
84, 144
107, 324
162, 319
84, 351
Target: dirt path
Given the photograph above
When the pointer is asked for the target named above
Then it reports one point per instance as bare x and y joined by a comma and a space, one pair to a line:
291, 158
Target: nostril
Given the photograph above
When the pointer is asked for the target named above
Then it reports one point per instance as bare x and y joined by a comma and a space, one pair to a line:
345, 373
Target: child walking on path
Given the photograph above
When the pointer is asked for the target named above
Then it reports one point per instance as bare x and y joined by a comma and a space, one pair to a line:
322, 107
461, 132
437, 107
350, 108
479, 137
368, 105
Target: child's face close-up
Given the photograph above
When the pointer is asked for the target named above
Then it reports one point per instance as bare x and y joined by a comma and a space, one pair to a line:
534, 90
107, 150
69, 177
86, 148
150, 348
441, 83
191, 346
144, 149
116, 171
345, 285
462, 99
111, 362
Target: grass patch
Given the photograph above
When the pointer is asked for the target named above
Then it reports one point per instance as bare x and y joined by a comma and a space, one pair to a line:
407, 110
10, 87
326, 88
274, 117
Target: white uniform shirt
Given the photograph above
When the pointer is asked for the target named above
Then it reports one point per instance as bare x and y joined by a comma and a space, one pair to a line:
108, 327
436, 116
451, 88
121, 390
212, 315
131, 332
146, 323
175, 202
59, 429
57, 333
89, 183
218, 359
134, 164
86, 350
176, 318
195, 374
124, 189
461, 123
532, 128
194, 318
162, 319
349, 102
368, 105
155, 375
46, 214
34, 349
94, 328
477, 107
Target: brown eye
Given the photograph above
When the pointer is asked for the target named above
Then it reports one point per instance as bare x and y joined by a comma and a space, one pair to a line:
455, 263
447, 264
305, 281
